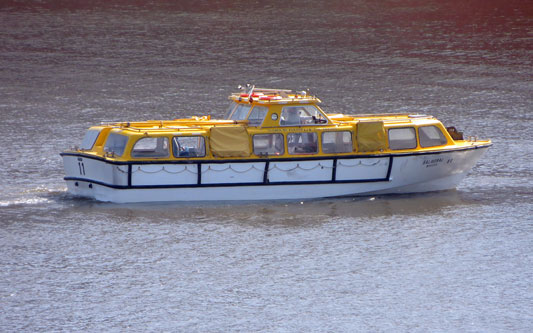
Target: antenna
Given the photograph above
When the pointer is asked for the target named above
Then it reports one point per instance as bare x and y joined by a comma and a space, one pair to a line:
251, 86
250, 92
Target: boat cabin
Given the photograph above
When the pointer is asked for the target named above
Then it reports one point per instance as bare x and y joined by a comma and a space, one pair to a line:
267, 123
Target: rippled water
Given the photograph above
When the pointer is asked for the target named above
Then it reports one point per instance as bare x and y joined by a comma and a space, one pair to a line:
449, 261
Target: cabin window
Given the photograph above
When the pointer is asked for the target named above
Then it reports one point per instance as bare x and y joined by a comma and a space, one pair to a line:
257, 115
302, 143
240, 112
402, 138
89, 139
230, 109
301, 115
188, 146
150, 147
268, 144
431, 136
337, 142
115, 144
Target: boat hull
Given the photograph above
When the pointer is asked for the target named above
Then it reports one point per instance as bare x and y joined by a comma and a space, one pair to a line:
245, 180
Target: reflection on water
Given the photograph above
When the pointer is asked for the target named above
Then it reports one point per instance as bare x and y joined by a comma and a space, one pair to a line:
446, 261
291, 213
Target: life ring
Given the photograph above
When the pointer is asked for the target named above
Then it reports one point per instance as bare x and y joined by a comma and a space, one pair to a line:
253, 95
269, 98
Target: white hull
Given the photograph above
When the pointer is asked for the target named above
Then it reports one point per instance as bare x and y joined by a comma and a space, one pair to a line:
267, 180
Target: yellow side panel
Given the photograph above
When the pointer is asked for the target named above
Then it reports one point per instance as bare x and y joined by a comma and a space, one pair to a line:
371, 136
229, 141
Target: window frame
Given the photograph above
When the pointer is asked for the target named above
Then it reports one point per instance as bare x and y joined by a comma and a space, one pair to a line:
336, 152
90, 137
116, 135
299, 136
442, 136
267, 154
240, 105
133, 154
404, 127
231, 107
252, 111
175, 154
304, 106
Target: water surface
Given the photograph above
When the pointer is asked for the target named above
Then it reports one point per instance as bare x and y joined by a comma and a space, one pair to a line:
449, 261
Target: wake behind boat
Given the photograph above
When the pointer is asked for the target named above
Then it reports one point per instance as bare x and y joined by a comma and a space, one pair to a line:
271, 144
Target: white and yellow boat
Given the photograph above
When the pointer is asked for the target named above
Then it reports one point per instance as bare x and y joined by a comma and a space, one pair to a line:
272, 144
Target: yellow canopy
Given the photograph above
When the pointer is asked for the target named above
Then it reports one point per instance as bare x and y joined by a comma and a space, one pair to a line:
229, 141
371, 136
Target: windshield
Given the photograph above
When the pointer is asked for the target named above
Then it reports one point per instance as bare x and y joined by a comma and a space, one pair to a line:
301, 115
230, 109
240, 112
257, 115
